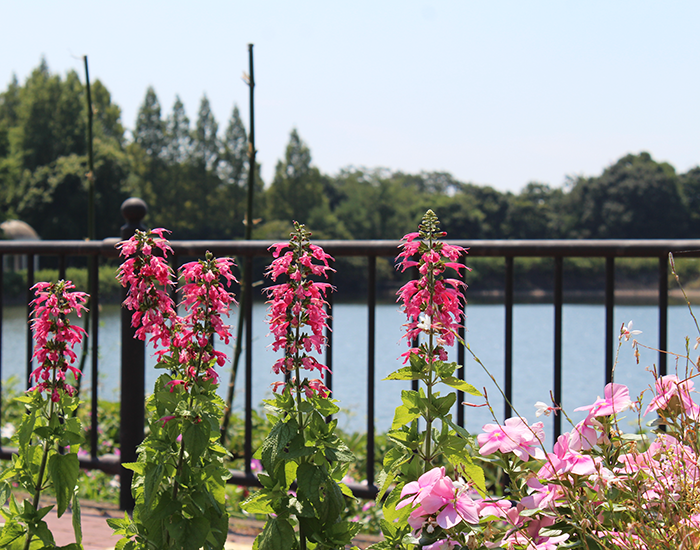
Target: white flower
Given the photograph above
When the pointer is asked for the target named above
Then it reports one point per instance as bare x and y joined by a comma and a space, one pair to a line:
8, 430
425, 324
627, 331
543, 409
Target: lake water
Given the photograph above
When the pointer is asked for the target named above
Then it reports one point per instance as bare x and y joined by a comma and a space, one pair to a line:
533, 345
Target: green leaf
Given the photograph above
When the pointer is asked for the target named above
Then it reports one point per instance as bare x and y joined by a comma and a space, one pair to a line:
309, 480
258, 503
151, 483
190, 533
11, 532
76, 519
42, 531
476, 474
196, 439
461, 385
444, 370
277, 534
405, 373
442, 405
274, 445
137, 467
64, 471
404, 415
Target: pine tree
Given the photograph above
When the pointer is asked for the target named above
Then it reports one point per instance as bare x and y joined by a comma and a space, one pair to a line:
206, 140
150, 129
234, 156
178, 138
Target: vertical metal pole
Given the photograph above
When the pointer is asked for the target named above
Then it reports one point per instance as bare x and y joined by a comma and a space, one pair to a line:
30, 335
329, 335
609, 310
91, 168
248, 442
508, 385
133, 372
663, 314
558, 303
95, 306
245, 276
371, 310
62, 267
461, 357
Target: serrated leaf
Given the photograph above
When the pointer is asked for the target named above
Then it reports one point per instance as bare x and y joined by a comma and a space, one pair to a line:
276, 535
190, 533
309, 480
64, 471
461, 385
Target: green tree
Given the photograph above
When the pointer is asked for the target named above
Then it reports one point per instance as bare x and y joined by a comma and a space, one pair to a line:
178, 136
206, 141
234, 155
297, 191
690, 184
635, 198
149, 132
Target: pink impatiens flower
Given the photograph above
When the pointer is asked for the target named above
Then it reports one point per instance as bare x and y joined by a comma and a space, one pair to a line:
514, 436
616, 400
671, 392
437, 496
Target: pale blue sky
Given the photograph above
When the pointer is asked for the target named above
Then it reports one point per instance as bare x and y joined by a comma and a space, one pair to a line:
495, 92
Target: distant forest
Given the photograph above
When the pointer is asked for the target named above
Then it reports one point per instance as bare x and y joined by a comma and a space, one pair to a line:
193, 177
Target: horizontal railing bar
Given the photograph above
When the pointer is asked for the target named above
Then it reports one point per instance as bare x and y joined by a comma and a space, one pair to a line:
582, 248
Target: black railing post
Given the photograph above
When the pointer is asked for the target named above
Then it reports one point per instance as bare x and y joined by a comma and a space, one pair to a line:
508, 374
133, 371
663, 314
558, 306
609, 319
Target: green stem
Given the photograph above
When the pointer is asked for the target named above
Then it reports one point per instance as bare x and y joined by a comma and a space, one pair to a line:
429, 418
42, 470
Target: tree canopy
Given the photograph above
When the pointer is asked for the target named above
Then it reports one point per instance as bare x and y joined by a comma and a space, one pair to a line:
194, 178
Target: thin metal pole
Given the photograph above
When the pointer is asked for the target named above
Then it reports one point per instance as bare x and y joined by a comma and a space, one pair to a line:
91, 167
508, 385
558, 303
94, 305
30, 335
609, 310
248, 442
329, 335
371, 311
246, 276
663, 314
461, 360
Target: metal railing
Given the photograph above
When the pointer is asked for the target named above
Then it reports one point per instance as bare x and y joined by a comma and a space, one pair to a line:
133, 351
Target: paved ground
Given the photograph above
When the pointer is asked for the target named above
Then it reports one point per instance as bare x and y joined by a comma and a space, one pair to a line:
97, 535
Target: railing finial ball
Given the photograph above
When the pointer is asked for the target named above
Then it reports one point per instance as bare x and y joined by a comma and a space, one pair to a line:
133, 210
